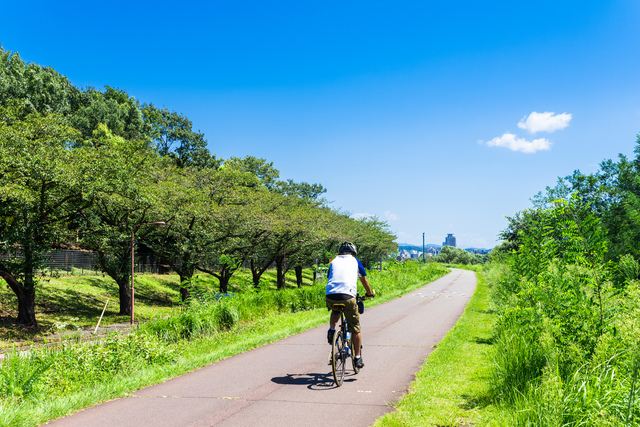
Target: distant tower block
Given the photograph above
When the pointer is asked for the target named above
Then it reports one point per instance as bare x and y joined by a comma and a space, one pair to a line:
450, 240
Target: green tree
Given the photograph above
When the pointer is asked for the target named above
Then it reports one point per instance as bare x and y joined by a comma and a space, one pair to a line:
302, 189
208, 211
44, 185
113, 108
612, 194
174, 137
266, 217
237, 226
39, 89
125, 206
373, 238
294, 227
452, 255
265, 172
182, 207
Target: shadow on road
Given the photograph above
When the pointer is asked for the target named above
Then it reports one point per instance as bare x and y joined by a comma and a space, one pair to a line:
313, 381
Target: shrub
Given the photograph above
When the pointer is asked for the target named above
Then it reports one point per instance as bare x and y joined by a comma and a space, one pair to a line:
227, 315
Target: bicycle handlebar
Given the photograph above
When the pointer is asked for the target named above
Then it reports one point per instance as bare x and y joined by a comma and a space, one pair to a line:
364, 297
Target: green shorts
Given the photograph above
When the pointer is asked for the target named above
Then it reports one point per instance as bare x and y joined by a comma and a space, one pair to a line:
350, 312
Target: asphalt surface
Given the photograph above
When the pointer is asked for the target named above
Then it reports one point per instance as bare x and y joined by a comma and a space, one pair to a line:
289, 382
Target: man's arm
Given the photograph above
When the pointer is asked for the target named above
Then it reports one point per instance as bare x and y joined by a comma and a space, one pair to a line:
367, 287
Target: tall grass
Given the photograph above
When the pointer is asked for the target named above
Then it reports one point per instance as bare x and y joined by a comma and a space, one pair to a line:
542, 375
209, 313
600, 395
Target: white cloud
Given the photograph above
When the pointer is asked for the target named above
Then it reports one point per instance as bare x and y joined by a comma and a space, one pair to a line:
361, 215
545, 122
391, 216
513, 143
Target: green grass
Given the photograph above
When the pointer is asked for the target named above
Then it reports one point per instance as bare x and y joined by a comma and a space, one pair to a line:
71, 302
451, 388
478, 268
193, 354
76, 302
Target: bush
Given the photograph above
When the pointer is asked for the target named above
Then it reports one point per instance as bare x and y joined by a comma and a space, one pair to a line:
554, 364
452, 255
227, 315
44, 372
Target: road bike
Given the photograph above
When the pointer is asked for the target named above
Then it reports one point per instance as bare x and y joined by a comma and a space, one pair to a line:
341, 348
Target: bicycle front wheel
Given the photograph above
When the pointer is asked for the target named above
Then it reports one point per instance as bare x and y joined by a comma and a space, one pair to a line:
338, 357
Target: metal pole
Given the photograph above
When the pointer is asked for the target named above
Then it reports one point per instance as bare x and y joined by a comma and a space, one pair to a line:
100, 319
132, 272
423, 258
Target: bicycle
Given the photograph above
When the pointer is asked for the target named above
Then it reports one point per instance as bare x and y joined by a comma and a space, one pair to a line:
341, 347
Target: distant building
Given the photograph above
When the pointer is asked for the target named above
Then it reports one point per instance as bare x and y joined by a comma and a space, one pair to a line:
450, 240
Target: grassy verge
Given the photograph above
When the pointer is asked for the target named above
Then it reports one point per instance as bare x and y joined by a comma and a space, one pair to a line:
73, 302
32, 392
451, 387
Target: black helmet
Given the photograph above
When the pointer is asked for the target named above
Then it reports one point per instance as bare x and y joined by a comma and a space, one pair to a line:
348, 247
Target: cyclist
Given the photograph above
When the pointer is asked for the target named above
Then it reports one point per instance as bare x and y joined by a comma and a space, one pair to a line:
342, 285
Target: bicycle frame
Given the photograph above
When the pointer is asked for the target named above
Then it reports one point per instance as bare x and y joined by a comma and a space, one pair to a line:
341, 348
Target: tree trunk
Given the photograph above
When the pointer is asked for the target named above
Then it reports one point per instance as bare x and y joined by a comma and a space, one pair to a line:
223, 276
26, 299
27, 308
280, 274
257, 270
298, 269
122, 277
185, 294
124, 291
185, 270
255, 274
224, 283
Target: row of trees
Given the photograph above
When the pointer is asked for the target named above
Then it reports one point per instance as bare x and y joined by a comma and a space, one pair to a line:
453, 255
88, 168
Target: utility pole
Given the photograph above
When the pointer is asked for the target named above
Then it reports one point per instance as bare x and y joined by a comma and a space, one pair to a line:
423, 258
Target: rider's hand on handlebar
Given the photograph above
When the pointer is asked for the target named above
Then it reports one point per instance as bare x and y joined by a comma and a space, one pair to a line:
371, 295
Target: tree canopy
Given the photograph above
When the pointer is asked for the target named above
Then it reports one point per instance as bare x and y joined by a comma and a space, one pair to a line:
93, 167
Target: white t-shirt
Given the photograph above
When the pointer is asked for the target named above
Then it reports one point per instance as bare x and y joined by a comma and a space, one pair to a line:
343, 275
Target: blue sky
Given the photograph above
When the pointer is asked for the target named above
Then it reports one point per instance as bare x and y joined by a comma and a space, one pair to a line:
414, 111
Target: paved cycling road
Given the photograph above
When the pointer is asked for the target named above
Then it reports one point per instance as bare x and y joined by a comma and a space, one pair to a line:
289, 382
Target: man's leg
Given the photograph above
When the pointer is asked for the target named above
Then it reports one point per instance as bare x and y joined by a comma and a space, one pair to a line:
333, 319
357, 340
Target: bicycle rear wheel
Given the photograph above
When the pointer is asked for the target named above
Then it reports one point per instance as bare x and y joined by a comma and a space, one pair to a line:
353, 358
338, 357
